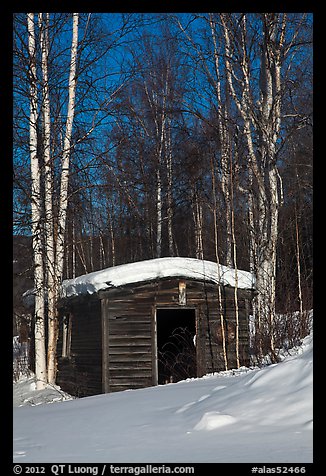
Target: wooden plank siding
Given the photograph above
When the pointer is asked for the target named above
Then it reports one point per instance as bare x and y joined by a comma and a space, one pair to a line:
129, 345
131, 349
113, 345
81, 373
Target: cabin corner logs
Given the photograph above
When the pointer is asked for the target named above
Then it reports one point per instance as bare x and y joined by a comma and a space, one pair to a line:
144, 334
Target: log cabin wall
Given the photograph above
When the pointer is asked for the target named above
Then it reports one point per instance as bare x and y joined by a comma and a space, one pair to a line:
129, 336
112, 344
127, 343
80, 369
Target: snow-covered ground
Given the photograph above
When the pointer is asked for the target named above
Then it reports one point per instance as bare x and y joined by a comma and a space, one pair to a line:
249, 415
25, 393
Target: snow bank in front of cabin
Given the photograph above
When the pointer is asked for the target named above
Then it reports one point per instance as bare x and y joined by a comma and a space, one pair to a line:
247, 416
25, 393
156, 269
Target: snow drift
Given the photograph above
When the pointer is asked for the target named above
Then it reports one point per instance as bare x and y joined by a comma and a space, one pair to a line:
247, 415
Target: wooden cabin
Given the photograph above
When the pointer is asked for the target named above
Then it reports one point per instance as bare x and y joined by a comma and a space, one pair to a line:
151, 322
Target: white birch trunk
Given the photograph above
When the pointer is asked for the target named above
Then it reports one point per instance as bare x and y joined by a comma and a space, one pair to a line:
160, 129
298, 263
81, 254
103, 263
222, 322
91, 262
273, 184
251, 223
112, 237
198, 223
63, 206
158, 210
199, 210
36, 205
169, 191
73, 258
224, 136
48, 201
236, 281
226, 193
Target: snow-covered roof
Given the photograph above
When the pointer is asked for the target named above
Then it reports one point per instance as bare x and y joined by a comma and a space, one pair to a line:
151, 270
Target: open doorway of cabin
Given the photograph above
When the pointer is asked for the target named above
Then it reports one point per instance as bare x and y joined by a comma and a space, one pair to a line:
176, 344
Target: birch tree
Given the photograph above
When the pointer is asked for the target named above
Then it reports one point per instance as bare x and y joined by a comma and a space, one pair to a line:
224, 130
157, 93
48, 227
63, 202
36, 210
262, 122
169, 195
217, 258
43, 20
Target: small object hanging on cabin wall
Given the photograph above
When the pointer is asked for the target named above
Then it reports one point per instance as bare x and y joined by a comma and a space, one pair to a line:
182, 293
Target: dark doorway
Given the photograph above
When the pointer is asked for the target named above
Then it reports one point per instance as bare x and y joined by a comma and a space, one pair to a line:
176, 349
